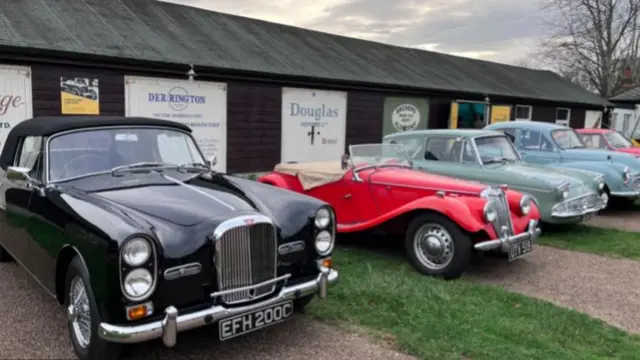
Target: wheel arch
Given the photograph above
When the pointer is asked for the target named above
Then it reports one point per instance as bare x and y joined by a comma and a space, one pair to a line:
66, 255
399, 224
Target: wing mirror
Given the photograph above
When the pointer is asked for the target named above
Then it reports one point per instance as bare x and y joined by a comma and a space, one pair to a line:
16, 173
344, 161
213, 160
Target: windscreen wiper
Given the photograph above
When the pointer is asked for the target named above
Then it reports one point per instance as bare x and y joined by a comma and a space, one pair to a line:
141, 165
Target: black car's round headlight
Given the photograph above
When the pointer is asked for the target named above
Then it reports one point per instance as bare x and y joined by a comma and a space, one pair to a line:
324, 243
138, 284
323, 218
136, 252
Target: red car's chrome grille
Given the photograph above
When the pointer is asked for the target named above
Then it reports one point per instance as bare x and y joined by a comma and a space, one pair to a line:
245, 255
504, 213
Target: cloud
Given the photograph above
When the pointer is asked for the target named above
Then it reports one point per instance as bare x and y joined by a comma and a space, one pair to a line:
496, 30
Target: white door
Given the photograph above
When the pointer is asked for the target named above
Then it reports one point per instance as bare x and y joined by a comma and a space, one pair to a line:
313, 125
593, 119
200, 105
15, 98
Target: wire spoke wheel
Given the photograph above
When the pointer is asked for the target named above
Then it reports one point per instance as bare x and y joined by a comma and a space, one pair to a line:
79, 312
433, 246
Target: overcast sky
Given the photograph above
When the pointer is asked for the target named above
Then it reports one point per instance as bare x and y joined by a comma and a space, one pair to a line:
496, 30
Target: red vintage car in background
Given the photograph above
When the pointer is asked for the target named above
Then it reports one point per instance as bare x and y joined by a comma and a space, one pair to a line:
443, 219
607, 139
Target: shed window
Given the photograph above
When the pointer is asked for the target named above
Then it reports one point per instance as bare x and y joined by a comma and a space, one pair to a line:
562, 116
523, 112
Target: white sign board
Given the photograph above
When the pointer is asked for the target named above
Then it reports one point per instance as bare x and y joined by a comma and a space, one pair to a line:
200, 105
15, 98
313, 125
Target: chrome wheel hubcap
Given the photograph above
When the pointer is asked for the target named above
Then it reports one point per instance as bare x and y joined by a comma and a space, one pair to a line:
79, 312
433, 246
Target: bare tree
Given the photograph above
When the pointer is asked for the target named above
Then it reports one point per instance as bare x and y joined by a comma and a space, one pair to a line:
525, 63
590, 42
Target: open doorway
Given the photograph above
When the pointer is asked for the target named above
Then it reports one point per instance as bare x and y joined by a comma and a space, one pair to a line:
471, 115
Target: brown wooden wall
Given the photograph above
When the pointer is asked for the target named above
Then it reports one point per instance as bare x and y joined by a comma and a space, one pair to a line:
254, 112
253, 118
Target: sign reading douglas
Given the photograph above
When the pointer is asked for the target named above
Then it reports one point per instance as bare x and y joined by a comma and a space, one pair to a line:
313, 124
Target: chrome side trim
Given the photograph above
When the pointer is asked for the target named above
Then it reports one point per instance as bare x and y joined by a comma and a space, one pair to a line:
193, 188
177, 272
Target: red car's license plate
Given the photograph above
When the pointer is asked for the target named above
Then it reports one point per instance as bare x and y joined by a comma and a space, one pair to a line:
520, 249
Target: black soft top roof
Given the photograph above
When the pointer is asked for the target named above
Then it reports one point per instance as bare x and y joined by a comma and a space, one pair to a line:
49, 125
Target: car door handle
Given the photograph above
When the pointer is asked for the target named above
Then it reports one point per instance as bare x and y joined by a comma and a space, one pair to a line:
347, 196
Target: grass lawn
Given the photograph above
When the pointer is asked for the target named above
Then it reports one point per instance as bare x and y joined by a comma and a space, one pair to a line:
608, 242
436, 319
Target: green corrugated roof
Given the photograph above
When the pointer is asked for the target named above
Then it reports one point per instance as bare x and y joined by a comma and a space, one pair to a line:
629, 95
170, 33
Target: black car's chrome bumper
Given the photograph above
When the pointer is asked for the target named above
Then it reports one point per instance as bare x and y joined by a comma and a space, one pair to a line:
173, 323
503, 243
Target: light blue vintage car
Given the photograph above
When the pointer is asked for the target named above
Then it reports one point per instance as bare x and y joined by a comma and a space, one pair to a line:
561, 147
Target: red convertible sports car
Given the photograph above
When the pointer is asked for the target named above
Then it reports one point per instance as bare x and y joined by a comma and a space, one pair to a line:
443, 219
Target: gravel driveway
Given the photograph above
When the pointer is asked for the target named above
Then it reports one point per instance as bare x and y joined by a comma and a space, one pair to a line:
602, 287
628, 220
32, 326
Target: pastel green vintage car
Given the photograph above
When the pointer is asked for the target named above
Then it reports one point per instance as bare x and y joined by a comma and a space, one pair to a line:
564, 196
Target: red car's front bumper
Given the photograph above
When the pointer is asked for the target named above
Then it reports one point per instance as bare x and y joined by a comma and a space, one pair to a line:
503, 242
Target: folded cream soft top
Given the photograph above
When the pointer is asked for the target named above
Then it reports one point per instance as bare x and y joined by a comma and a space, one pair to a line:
313, 174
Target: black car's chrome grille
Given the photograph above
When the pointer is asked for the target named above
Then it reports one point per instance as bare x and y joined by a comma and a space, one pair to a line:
245, 255
504, 213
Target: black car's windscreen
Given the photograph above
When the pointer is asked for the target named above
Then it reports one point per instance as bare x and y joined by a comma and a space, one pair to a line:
92, 151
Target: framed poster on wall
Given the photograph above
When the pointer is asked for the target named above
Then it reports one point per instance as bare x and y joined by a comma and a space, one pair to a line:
500, 113
79, 96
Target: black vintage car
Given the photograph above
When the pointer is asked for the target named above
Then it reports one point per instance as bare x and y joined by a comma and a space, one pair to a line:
124, 222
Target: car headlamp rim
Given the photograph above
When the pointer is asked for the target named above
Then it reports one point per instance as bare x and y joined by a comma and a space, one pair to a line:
525, 205
600, 180
125, 269
563, 190
490, 212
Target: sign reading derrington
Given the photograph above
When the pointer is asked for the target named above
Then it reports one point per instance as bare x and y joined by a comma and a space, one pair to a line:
404, 114
79, 96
